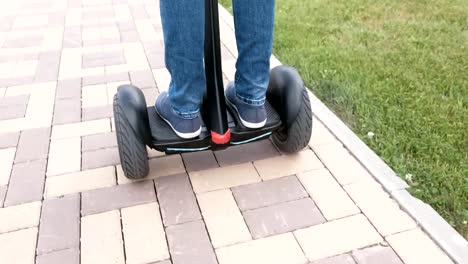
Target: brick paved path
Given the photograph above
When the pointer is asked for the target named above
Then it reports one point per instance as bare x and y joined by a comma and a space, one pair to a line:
63, 198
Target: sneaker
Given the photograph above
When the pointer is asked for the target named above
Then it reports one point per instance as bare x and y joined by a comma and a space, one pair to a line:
183, 127
251, 116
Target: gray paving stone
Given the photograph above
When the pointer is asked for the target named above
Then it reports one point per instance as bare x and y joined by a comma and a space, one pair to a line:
129, 35
126, 25
176, 199
67, 111
60, 224
56, 19
98, 141
33, 144
67, 256
13, 106
3, 190
150, 95
376, 254
106, 58
69, 88
105, 78
268, 193
282, 218
26, 182
99, 158
8, 140
98, 112
196, 161
71, 39
138, 12
16, 81
22, 41
48, 66
247, 152
341, 259
126, 195
162, 262
156, 60
189, 244
142, 79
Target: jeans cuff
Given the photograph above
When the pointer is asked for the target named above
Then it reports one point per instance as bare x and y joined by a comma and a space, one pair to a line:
255, 102
187, 115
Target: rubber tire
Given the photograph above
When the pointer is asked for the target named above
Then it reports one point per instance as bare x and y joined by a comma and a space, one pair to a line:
297, 136
132, 150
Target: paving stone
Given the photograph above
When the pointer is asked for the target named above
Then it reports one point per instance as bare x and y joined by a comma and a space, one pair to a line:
68, 256
106, 58
48, 66
152, 153
337, 237
98, 112
17, 217
286, 165
3, 191
160, 167
145, 240
80, 129
60, 224
348, 170
101, 239
64, 156
12, 107
377, 254
79, 181
142, 79
8, 140
162, 262
94, 96
150, 95
247, 152
33, 145
223, 177
69, 88
282, 218
156, 60
415, 247
223, 219
340, 259
106, 78
189, 244
176, 199
67, 111
278, 249
268, 193
6, 164
18, 247
384, 213
26, 182
116, 197
98, 141
100, 158
71, 39
202, 160
321, 135
327, 193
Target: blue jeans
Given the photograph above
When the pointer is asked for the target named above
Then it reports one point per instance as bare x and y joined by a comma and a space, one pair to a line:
183, 24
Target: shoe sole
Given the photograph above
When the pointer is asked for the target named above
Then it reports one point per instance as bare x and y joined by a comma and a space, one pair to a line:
246, 123
180, 134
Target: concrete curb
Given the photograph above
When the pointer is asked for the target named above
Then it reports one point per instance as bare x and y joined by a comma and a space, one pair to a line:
454, 245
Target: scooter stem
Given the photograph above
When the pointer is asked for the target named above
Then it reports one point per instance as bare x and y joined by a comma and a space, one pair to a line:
217, 122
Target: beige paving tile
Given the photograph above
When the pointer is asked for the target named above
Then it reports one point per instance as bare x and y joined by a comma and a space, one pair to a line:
30, 21
19, 217
382, 211
80, 181
337, 237
64, 156
152, 153
160, 167
2, 92
229, 69
146, 30
144, 236
321, 135
18, 247
94, 95
416, 247
347, 170
163, 79
272, 250
286, 165
81, 129
6, 163
101, 239
223, 219
224, 177
327, 194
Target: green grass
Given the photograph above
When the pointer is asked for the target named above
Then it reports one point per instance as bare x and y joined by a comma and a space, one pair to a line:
399, 69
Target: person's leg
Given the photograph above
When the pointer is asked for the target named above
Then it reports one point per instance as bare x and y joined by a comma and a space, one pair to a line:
183, 24
254, 22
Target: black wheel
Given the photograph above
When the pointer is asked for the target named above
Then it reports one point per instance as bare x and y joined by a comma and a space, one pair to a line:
297, 136
132, 150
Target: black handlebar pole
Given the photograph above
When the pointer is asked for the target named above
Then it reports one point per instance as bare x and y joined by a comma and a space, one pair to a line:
213, 72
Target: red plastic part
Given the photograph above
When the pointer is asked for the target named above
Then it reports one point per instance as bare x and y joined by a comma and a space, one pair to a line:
221, 139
